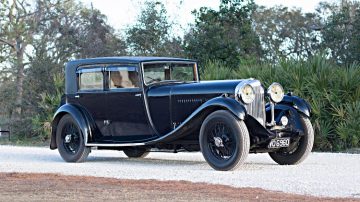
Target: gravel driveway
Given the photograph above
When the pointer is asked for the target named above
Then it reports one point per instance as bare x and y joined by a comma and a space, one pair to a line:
322, 174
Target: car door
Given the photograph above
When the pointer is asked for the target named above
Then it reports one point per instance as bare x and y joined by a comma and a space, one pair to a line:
92, 97
126, 112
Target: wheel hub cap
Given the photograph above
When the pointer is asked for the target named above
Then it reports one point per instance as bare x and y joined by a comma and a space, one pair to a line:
218, 142
68, 138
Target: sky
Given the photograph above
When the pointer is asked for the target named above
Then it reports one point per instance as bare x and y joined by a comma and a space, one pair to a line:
123, 13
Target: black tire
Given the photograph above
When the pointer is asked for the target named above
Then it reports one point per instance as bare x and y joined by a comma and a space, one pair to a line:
136, 152
73, 149
301, 151
224, 141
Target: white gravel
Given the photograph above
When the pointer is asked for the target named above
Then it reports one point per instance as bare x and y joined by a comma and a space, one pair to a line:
321, 174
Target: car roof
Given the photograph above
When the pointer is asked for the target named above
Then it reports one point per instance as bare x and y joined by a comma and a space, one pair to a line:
71, 66
124, 59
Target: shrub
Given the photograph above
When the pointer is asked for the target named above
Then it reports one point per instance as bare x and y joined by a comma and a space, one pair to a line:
333, 92
41, 123
216, 71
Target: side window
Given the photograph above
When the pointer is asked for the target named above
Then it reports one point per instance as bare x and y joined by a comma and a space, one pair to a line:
156, 72
123, 77
91, 79
182, 72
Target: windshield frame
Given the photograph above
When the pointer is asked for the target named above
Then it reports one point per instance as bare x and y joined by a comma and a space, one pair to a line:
195, 71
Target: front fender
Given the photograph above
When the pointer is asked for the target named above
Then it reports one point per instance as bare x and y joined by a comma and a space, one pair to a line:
78, 115
298, 103
284, 108
236, 108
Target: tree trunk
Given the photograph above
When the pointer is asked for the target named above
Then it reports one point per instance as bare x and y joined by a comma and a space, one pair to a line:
20, 48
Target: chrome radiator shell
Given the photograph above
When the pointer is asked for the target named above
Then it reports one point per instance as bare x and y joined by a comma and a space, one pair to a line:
257, 108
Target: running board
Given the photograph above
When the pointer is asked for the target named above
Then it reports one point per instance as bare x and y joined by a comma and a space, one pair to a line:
114, 144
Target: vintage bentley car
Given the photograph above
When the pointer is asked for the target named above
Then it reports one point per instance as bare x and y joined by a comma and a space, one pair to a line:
142, 104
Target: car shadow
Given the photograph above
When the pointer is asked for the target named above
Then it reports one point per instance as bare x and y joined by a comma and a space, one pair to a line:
148, 160
248, 165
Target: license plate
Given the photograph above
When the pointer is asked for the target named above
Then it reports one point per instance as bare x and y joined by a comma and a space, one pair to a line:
279, 142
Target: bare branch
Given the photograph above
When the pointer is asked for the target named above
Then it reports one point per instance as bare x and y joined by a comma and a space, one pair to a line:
21, 3
3, 41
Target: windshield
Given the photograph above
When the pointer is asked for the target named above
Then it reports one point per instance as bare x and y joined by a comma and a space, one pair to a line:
169, 72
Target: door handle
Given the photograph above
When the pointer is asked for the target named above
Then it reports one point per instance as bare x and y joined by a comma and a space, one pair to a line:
77, 96
138, 95
107, 122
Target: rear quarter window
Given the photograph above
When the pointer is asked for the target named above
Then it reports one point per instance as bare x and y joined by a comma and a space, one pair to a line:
91, 79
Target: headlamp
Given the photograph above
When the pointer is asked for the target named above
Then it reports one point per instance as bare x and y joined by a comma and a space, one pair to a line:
246, 94
276, 92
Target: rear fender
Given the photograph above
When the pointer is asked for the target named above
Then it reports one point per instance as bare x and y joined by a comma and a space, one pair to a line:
78, 115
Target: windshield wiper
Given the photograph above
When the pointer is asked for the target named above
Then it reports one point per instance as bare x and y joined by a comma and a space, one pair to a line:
174, 81
164, 81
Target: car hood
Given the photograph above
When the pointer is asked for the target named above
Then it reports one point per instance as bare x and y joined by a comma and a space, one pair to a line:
206, 87
177, 101
197, 88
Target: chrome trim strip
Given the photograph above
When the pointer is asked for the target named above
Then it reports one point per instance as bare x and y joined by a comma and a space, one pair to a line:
114, 144
151, 141
90, 69
178, 127
188, 119
146, 103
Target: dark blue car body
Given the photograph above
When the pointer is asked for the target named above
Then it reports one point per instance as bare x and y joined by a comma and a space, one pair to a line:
165, 115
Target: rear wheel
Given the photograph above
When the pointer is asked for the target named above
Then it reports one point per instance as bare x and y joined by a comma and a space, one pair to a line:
301, 150
224, 141
70, 140
136, 152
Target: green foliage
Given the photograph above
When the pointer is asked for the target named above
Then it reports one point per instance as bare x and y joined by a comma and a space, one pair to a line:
286, 33
347, 119
150, 36
41, 123
97, 37
331, 90
225, 35
235, 41
341, 30
57, 31
216, 70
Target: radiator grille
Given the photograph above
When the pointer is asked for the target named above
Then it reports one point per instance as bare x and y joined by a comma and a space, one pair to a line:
257, 107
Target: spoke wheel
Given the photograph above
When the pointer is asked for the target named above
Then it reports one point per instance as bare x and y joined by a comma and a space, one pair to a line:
224, 141
300, 150
71, 138
70, 141
221, 141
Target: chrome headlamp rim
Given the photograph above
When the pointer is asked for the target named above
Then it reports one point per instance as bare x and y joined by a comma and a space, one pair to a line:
275, 95
246, 98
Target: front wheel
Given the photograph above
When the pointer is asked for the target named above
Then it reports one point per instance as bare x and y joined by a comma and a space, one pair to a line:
301, 150
70, 140
224, 141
